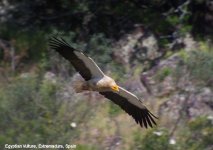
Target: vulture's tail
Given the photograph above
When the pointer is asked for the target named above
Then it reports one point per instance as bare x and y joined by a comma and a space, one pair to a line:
79, 86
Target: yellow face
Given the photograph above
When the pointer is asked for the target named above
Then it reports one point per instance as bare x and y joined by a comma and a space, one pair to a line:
115, 88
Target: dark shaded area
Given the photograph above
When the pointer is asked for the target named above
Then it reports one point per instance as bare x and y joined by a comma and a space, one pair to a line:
111, 17
202, 18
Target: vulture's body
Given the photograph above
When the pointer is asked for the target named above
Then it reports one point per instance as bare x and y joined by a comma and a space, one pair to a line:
96, 80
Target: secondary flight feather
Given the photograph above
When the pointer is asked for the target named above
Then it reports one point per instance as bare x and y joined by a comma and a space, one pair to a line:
96, 80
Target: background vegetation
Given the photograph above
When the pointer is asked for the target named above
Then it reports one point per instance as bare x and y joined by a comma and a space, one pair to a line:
37, 101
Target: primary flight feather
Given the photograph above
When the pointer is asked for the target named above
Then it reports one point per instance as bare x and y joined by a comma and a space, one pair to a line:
96, 80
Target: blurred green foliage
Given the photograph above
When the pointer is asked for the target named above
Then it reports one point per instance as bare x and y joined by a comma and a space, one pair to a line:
163, 73
31, 113
196, 135
114, 109
199, 136
200, 66
110, 17
86, 147
153, 140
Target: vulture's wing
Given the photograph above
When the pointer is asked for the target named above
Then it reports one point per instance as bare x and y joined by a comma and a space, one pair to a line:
132, 105
83, 64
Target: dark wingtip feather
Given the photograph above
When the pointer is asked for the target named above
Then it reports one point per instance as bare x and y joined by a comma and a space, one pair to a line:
153, 115
57, 41
146, 119
150, 115
149, 121
143, 116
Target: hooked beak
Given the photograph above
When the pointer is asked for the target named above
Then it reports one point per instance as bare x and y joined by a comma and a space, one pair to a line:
115, 88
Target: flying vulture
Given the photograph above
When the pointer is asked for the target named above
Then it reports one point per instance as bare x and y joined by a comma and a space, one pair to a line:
96, 80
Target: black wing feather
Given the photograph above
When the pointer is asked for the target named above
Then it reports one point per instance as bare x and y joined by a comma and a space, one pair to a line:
67, 51
142, 116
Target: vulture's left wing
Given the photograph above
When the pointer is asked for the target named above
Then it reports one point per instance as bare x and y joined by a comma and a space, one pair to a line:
83, 64
132, 105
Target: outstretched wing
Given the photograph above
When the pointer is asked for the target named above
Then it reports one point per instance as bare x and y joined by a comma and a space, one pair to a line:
83, 64
132, 105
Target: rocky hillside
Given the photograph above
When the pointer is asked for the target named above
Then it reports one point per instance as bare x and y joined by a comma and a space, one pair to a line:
161, 51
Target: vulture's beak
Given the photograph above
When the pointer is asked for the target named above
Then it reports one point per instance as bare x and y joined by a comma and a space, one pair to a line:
115, 88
